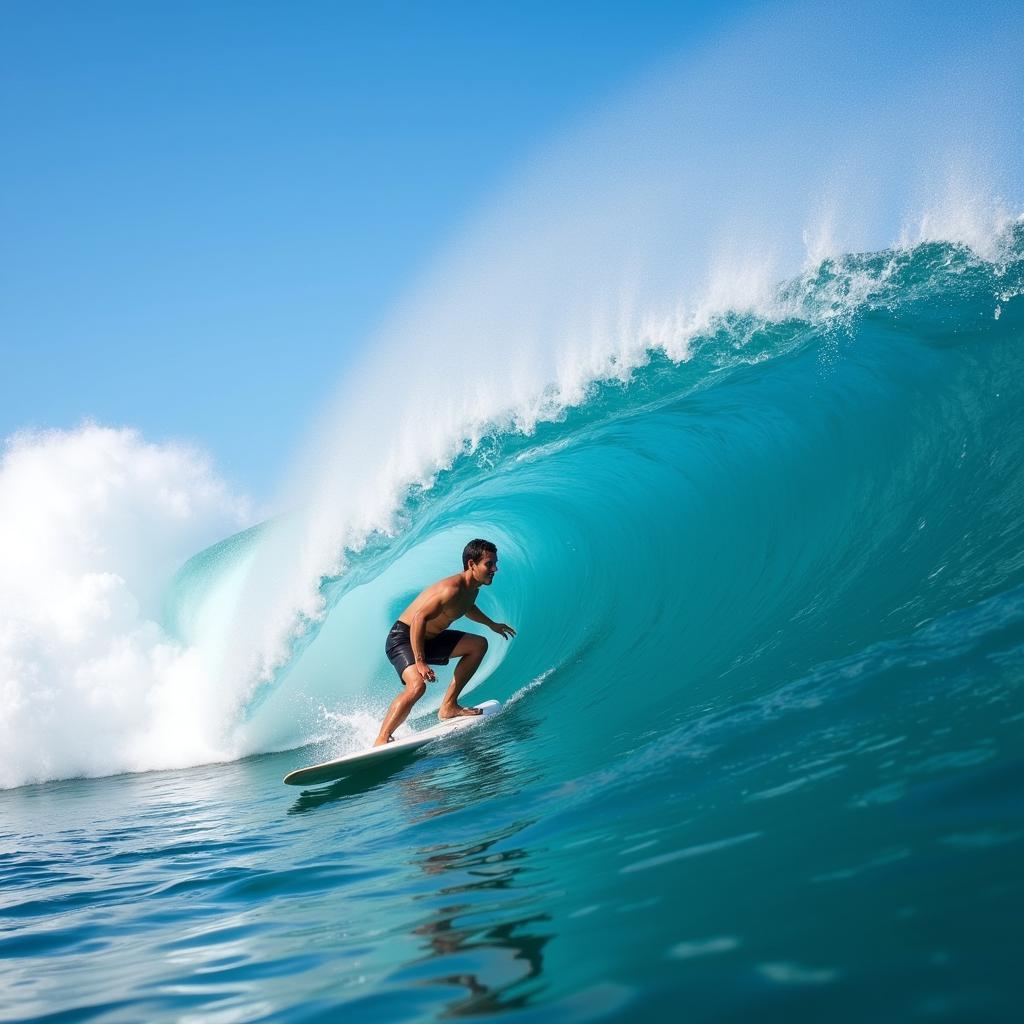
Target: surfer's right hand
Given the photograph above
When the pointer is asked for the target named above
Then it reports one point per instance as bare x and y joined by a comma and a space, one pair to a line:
426, 672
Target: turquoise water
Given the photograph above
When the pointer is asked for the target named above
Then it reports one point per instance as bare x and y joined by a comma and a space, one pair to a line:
762, 753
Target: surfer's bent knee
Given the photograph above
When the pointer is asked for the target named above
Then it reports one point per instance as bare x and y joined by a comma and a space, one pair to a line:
414, 687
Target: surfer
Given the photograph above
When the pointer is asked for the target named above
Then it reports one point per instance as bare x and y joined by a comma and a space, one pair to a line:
420, 637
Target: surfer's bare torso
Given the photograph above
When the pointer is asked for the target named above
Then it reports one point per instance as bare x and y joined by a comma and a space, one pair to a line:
441, 604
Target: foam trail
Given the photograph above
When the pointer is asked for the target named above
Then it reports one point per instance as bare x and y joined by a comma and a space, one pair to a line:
778, 145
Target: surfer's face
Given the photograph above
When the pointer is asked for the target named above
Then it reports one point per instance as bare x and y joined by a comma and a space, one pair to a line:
484, 570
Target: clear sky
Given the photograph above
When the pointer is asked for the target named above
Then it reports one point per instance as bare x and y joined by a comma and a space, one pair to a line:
206, 207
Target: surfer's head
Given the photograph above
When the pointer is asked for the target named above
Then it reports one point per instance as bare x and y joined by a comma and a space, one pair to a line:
481, 558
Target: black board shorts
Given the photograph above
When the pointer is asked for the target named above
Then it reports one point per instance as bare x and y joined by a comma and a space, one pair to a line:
436, 649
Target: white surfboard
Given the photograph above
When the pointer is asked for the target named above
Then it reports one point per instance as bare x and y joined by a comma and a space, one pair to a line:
351, 764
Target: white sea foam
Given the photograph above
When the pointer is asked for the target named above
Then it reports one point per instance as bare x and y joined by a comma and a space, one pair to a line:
94, 521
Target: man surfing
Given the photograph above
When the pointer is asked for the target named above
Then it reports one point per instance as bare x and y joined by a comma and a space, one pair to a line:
420, 637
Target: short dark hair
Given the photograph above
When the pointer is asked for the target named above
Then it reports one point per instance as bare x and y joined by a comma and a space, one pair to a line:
475, 550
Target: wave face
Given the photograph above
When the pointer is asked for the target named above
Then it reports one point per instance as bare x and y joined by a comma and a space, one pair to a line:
796, 493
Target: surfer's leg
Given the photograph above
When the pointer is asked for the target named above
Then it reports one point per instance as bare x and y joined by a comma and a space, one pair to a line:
413, 689
470, 651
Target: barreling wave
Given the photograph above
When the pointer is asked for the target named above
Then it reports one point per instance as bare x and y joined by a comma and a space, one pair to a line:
800, 487
659, 228
702, 482
805, 484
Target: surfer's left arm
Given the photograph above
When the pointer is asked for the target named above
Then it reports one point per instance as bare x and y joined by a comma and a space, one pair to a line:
501, 628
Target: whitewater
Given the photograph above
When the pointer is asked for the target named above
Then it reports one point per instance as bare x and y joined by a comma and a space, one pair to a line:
745, 422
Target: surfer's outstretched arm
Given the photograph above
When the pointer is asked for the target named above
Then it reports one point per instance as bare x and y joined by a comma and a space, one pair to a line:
501, 628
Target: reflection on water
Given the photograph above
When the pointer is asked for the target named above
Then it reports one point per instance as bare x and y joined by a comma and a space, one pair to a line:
461, 777
471, 941
494, 962
482, 930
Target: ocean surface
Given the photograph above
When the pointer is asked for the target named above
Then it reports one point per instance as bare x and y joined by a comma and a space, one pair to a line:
761, 757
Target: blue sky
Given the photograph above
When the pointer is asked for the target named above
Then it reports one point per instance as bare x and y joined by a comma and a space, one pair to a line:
208, 206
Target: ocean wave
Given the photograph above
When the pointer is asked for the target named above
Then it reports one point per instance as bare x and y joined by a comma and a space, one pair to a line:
826, 475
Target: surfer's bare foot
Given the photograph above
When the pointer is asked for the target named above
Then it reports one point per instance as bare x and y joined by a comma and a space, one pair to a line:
381, 742
457, 711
